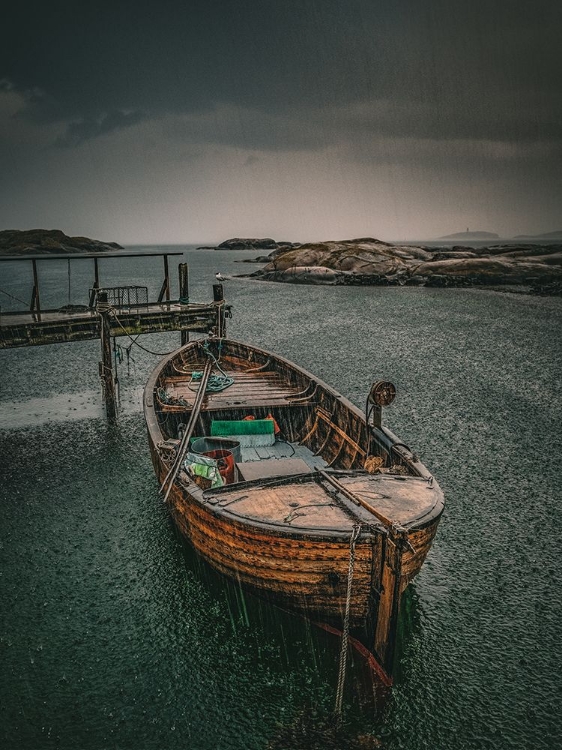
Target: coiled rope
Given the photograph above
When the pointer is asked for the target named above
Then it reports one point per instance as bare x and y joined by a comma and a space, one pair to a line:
216, 383
345, 635
167, 398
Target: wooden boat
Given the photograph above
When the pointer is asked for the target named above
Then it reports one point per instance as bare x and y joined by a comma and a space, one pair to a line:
326, 512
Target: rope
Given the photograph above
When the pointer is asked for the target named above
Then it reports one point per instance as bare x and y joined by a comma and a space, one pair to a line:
113, 311
167, 398
103, 306
207, 350
216, 383
290, 446
345, 636
118, 357
103, 370
168, 452
17, 299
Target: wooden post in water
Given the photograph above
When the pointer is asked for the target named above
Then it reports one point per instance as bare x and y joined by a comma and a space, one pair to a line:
389, 602
165, 290
106, 368
184, 296
167, 280
35, 301
218, 296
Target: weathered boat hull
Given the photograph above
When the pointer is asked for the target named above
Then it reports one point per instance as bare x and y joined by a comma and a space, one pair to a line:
306, 570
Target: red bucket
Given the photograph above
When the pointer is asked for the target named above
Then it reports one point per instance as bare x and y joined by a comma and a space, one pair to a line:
225, 461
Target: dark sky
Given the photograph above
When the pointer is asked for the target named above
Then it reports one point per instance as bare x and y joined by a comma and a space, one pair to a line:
297, 119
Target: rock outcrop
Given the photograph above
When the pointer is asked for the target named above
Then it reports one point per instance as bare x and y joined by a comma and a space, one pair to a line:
370, 261
49, 241
365, 255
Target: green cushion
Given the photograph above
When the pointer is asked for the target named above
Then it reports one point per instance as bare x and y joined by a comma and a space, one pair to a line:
242, 427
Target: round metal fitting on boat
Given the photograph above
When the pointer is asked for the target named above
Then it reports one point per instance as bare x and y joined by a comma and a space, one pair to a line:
383, 393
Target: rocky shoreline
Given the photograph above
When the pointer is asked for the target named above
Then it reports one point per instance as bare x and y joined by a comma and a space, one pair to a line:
49, 241
367, 261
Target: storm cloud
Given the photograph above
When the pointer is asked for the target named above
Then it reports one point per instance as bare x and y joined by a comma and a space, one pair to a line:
447, 87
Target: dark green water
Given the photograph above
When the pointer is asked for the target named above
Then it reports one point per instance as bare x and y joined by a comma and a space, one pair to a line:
113, 636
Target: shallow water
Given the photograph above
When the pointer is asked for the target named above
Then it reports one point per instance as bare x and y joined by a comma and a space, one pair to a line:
113, 635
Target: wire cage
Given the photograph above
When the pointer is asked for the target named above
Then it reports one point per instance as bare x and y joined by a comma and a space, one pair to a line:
122, 296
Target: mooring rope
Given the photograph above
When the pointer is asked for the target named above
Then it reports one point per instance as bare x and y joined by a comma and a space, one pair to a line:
345, 635
113, 311
17, 299
104, 306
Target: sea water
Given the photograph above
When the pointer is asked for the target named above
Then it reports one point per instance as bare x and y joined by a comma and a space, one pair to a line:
114, 635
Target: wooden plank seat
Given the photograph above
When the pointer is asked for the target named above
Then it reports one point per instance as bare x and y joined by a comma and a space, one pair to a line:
251, 390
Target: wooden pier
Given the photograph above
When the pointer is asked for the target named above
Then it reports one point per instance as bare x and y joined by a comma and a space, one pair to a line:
55, 327
112, 311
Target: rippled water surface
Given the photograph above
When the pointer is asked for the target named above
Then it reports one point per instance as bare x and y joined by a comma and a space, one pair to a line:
113, 635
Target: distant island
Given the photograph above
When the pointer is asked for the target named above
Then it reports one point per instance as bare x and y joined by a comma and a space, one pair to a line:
557, 235
368, 261
49, 241
468, 235
249, 243
471, 236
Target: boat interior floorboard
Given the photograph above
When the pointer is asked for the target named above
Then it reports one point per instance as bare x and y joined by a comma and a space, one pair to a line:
282, 449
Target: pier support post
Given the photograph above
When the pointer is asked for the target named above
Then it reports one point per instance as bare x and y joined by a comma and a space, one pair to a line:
106, 368
218, 297
96, 285
184, 295
165, 291
35, 306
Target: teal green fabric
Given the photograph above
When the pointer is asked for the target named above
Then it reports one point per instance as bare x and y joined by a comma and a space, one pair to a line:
242, 427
